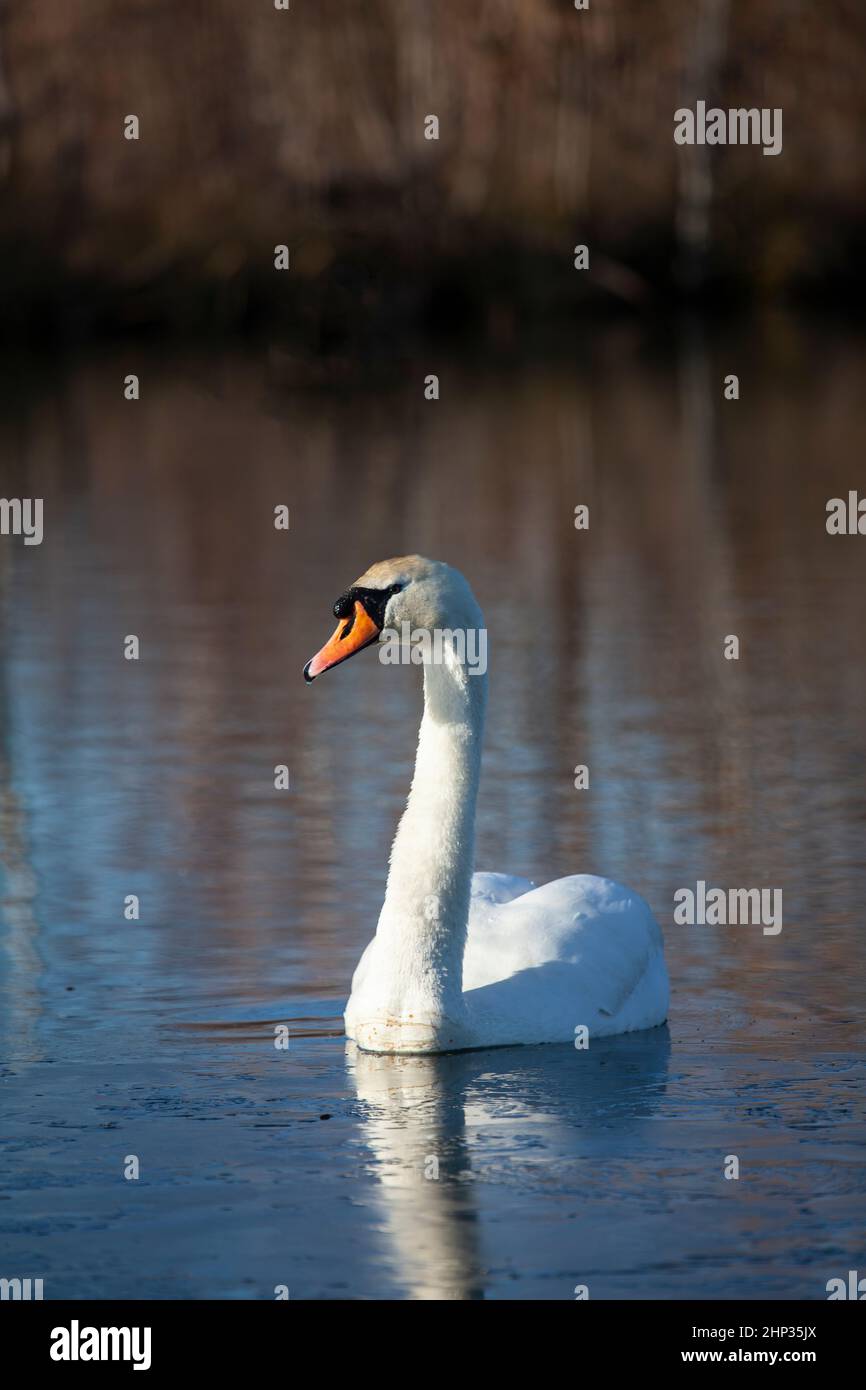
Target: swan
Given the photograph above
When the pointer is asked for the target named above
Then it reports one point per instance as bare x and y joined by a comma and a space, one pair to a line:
463, 960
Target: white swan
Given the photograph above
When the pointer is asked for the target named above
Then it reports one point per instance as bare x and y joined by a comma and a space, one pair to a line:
463, 961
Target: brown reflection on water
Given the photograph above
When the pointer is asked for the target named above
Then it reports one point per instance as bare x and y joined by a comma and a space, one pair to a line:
707, 518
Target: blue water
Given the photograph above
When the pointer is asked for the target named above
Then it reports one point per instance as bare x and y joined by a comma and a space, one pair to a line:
314, 1167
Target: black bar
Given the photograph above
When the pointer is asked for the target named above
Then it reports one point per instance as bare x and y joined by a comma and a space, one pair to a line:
221, 1337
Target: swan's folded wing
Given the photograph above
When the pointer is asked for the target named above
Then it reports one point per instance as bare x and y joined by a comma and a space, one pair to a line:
489, 890
604, 931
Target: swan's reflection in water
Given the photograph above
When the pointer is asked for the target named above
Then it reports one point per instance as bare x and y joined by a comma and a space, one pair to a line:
431, 1123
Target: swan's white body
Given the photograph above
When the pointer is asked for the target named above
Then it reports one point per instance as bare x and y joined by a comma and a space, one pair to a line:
463, 961
538, 963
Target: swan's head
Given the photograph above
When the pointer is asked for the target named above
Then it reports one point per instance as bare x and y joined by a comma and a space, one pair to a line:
426, 594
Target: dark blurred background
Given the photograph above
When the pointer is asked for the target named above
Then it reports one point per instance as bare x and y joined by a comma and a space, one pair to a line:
306, 128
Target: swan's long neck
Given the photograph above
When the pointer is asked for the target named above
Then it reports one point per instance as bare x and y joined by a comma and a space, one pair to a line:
421, 935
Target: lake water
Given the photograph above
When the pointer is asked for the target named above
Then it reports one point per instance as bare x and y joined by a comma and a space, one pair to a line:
306, 1167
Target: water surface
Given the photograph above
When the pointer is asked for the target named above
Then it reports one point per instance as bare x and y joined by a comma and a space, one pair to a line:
155, 1038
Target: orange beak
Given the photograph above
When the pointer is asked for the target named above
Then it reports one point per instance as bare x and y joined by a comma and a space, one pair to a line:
351, 636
